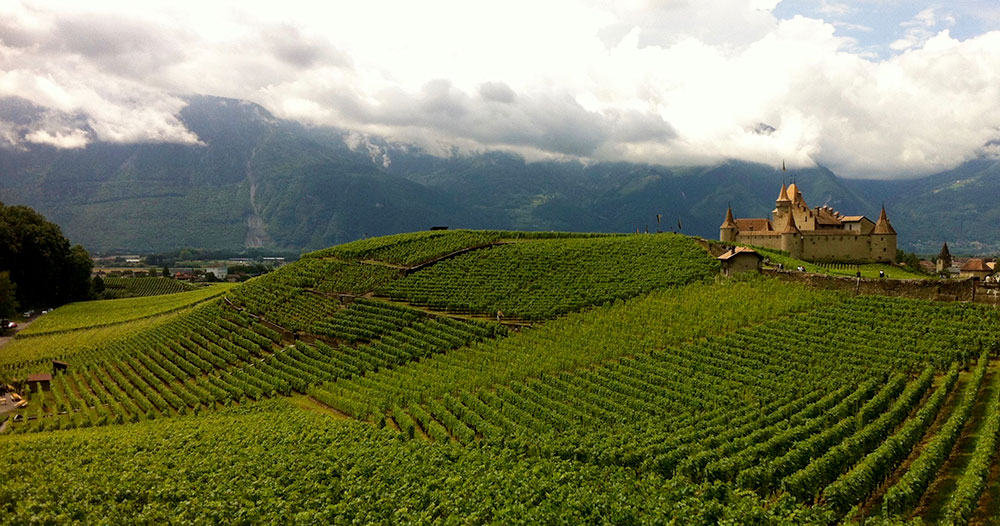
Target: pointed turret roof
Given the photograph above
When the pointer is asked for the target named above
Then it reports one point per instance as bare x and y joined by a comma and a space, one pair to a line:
944, 254
883, 226
790, 227
783, 196
729, 222
795, 195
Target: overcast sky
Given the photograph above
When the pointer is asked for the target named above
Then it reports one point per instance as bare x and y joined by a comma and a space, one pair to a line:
870, 88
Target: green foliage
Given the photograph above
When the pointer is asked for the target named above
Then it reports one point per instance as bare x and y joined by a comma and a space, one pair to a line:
98, 286
973, 481
865, 477
544, 278
640, 326
906, 493
46, 270
144, 286
8, 297
299, 295
34, 352
90, 314
690, 401
409, 249
868, 270
286, 466
910, 261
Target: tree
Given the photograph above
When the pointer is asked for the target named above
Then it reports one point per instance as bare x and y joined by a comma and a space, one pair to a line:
166, 271
40, 260
98, 285
8, 296
910, 261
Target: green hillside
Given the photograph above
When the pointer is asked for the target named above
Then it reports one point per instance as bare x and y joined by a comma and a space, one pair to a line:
116, 288
626, 383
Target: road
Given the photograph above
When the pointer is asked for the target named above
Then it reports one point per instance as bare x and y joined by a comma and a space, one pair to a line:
20, 327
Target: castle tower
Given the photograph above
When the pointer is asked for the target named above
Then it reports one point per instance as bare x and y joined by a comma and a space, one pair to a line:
883, 239
943, 259
728, 230
782, 206
791, 238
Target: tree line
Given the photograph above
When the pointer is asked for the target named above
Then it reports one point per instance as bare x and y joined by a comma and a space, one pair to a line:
38, 266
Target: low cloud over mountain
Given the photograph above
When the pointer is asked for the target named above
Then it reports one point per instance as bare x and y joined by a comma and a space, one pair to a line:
668, 83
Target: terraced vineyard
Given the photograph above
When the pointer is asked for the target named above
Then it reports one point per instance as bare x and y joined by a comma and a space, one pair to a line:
82, 315
117, 288
644, 391
544, 278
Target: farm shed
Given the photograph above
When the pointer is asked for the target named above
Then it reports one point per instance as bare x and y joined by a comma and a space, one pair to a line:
740, 259
59, 366
39, 382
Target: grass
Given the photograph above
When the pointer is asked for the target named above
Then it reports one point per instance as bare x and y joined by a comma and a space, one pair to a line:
868, 270
91, 314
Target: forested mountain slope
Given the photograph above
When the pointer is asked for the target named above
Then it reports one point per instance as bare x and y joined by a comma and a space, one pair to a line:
256, 180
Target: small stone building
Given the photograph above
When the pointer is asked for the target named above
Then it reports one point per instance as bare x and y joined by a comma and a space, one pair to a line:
740, 259
975, 268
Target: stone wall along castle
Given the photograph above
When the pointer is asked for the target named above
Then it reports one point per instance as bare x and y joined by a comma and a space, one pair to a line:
817, 234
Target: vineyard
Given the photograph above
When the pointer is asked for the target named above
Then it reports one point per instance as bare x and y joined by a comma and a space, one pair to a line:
373, 383
548, 277
84, 315
117, 288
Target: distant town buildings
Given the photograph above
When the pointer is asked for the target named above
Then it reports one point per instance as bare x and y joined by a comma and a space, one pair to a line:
816, 234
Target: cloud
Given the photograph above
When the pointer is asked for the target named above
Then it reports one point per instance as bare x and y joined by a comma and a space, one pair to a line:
921, 28
68, 139
661, 81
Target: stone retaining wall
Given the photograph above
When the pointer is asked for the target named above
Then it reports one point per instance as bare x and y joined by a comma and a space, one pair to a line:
925, 289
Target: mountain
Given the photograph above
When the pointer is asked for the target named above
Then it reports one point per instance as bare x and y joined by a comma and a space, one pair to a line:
958, 206
259, 181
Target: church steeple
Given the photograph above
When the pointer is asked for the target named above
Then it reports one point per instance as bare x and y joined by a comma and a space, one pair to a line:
943, 259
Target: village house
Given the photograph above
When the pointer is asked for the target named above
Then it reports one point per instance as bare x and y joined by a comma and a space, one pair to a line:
815, 234
975, 268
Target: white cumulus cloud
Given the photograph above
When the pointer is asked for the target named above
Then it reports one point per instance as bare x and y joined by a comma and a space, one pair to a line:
662, 81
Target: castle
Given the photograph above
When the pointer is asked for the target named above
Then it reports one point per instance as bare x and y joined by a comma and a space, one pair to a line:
816, 234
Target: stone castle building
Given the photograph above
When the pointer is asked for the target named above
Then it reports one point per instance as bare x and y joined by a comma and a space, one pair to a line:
817, 234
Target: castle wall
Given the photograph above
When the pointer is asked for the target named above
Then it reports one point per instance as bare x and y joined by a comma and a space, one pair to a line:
772, 241
841, 247
926, 289
835, 247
